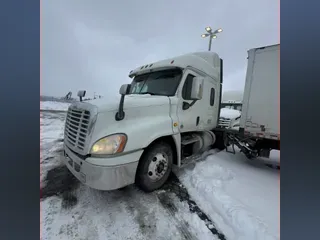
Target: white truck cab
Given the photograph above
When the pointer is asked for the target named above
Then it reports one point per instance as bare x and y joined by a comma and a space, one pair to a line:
230, 112
163, 118
229, 118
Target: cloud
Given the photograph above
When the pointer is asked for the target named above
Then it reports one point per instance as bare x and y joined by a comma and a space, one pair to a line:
93, 45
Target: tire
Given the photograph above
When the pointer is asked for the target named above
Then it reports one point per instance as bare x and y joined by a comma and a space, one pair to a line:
157, 157
219, 144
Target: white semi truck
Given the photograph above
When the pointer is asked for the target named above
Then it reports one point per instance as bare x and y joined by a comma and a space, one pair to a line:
167, 116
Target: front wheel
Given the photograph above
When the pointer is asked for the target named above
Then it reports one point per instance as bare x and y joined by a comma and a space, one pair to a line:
154, 167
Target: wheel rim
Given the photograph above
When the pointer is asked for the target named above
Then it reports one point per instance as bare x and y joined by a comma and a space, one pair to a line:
158, 166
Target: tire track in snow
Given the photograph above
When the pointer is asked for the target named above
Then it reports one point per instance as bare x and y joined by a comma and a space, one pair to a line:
148, 214
175, 186
181, 225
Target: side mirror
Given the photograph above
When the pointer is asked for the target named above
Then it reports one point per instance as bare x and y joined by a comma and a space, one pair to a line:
125, 89
197, 88
81, 94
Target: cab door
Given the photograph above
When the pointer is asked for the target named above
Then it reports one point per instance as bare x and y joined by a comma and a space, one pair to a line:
189, 112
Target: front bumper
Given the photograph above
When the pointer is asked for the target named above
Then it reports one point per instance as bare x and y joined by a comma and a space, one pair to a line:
103, 177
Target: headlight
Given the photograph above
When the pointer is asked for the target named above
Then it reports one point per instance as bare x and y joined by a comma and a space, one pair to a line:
109, 145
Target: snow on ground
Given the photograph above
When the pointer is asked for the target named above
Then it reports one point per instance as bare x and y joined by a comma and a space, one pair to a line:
241, 196
125, 214
56, 106
70, 210
229, 113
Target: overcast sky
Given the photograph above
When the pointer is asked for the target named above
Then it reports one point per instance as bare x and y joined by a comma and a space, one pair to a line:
93, 44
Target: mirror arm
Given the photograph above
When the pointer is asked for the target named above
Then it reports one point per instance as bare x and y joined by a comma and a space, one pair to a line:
186, 105
192, 103
120, 114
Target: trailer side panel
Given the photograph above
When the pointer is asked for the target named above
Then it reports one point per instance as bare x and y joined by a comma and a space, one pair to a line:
261, 101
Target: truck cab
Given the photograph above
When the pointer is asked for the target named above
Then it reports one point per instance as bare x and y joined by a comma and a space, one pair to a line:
163, 118
231, 107
229, 118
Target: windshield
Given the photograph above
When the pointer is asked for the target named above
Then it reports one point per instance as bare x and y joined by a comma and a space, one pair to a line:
164, 83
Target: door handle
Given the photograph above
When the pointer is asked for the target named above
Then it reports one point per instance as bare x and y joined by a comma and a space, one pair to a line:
198, 120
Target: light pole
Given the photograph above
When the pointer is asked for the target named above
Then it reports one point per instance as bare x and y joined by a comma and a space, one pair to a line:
211, 34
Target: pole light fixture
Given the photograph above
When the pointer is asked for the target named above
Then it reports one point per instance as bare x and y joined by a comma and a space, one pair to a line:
211, 35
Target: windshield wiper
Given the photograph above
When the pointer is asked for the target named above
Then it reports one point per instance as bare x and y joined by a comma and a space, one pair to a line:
151, 93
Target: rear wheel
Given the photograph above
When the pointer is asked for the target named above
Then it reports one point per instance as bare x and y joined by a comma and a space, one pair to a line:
154, 167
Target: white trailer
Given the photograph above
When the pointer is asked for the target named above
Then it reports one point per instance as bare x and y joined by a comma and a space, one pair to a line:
261, 101
260, 117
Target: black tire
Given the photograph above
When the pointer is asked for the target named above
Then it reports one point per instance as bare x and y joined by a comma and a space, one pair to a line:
219, 144
221, 147
143, 180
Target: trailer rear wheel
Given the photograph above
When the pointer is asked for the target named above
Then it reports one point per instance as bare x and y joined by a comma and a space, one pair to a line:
154, 167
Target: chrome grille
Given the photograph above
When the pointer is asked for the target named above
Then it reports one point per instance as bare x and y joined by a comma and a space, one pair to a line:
224, 122
77, 127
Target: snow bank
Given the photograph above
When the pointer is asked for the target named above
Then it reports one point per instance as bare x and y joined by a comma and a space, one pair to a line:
51, 105
229, 113
240, 196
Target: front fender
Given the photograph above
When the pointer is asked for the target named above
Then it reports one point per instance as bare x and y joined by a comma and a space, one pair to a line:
141, 125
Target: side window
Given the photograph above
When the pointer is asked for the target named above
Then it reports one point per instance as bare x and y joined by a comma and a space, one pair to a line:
186, 90
212, 95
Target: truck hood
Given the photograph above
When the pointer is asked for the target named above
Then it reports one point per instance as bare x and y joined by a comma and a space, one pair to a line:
229, 113
131, 101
